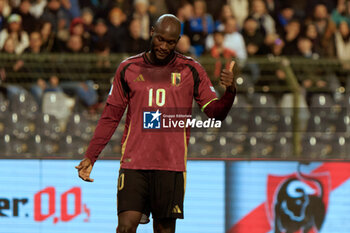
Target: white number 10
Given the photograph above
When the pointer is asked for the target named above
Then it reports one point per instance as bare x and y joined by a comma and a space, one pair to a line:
160, 97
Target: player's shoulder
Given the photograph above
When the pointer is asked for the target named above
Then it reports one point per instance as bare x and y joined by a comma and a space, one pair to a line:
133, 59
188, 60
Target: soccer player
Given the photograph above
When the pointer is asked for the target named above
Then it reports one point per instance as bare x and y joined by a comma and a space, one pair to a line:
153, 163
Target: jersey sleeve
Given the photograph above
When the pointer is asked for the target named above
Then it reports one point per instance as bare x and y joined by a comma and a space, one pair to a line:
119, 92
204, 92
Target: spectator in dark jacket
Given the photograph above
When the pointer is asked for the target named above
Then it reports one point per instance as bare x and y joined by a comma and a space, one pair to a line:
101, 34
117, 30
29, 22
134, 42
55, 14
253, 37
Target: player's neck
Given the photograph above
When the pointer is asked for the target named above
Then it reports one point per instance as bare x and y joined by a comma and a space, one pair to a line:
151, 57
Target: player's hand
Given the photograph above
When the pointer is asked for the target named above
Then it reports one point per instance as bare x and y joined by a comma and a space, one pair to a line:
227, 79
84, 170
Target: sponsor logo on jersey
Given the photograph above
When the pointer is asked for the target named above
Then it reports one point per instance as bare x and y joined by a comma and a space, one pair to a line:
139, 78
151, 120
175, 79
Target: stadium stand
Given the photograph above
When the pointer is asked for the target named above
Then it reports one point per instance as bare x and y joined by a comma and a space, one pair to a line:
293, 89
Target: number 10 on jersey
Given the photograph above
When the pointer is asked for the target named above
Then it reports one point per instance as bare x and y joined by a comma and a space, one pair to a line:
159, 95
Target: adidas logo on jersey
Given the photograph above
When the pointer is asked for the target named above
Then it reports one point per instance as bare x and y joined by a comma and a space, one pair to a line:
139, 78
176, 210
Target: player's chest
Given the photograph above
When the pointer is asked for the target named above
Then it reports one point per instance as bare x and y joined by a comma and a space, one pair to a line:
170, 80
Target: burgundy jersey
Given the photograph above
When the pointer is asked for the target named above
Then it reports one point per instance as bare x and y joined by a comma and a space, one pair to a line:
141, 85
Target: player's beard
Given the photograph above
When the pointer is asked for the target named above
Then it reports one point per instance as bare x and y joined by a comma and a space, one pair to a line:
164, 61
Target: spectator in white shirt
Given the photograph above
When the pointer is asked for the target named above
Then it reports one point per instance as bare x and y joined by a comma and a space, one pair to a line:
233, 39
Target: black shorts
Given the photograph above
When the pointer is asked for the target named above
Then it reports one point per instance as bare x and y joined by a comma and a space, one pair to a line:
151, 191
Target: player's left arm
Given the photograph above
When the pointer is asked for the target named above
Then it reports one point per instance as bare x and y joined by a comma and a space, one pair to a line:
219, 108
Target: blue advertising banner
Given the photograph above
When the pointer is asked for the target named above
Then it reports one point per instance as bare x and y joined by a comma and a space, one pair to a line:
46, 196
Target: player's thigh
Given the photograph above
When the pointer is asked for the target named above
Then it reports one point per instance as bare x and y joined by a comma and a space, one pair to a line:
128, 221
167, 194
165, 225
133, 191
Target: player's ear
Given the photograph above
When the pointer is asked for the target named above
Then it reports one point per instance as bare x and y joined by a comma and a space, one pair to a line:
178, 39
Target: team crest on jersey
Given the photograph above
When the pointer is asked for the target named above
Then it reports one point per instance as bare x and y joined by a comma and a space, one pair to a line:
175, 79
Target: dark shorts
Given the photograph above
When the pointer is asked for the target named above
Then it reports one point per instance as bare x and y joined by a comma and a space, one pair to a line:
151, 191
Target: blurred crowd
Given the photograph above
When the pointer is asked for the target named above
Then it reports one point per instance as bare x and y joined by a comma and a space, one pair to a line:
222, 29
228, 28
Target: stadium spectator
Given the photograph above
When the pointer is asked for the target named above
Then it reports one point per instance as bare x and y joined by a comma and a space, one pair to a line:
134, 42
37, 8
93, 5
103, 64
41, 86
49, 42
312, 4
253, 38
226, 12
9, 46
173, 6
117, 29
342, 12
240, 9
283, 17
125, 5
35, 47
101, 34
5, 11
199, 27
85, 91
260, 13
275, 45
290, 37
233, 39
184, 46
14, 30
88, 17
35, 43
214, 8
7, 70
222, 54
305, 48
325, 29
157, 8
342, 41
56, 15
77, 28
311, 33
142, 13
75, 44
184, 14
29, 22
71, 6
2, 17
273, 6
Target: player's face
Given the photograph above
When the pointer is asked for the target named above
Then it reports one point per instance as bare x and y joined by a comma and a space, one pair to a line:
163, 43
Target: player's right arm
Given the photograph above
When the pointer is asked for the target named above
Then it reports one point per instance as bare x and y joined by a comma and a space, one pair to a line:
116, 104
